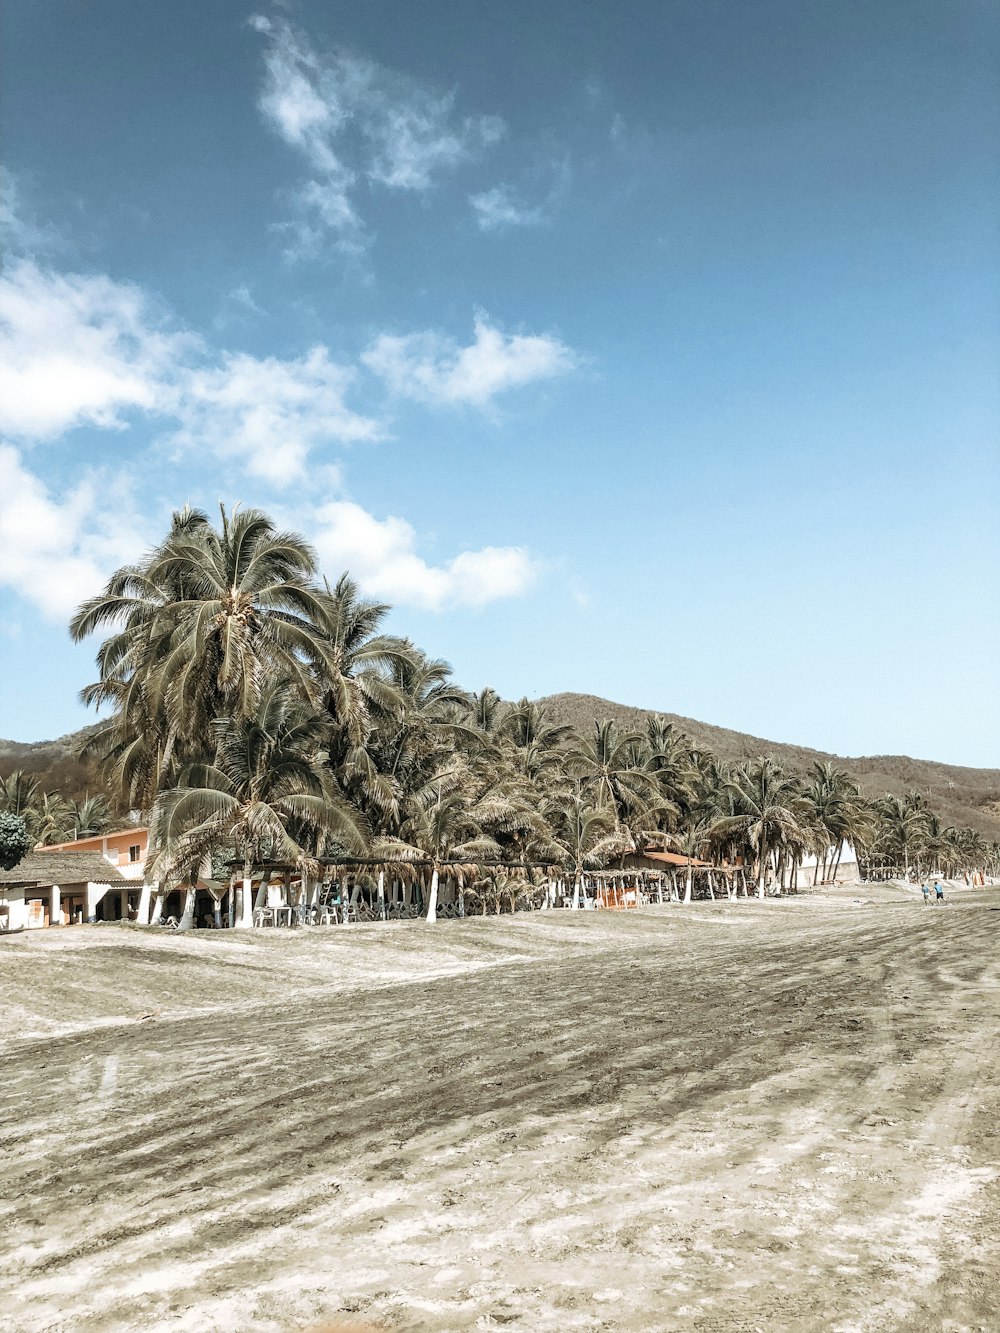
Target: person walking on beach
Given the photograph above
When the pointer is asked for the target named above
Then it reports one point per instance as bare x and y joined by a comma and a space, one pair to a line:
926, 890
938, 892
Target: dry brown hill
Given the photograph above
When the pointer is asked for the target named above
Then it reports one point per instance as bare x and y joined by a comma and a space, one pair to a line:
56, 764
959, 795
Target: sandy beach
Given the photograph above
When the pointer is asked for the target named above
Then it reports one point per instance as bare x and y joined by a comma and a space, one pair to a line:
749, 1116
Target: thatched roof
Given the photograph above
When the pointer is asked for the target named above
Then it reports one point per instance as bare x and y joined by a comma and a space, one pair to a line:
676, 859
63, 868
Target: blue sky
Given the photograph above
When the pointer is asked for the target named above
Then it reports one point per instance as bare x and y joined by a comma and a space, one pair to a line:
647, 350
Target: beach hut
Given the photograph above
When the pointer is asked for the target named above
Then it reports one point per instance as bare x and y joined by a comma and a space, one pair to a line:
64, 888
676, 865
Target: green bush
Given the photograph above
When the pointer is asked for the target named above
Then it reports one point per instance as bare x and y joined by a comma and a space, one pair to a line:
15, 844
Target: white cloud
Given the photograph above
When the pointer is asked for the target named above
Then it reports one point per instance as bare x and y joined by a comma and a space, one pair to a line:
78, 350
270, 413
499, 208
351, 118
85, 350
59, 548
57, 551
380, 554
435, 369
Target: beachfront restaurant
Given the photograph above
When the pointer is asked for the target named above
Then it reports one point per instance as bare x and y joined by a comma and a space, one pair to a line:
58, 888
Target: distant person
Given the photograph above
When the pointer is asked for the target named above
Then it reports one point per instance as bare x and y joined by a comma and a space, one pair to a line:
938, 892
926, 892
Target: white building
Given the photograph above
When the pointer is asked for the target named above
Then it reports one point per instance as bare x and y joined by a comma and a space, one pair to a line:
64, 888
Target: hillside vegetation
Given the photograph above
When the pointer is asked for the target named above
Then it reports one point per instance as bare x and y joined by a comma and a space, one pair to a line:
56, 764
961, 795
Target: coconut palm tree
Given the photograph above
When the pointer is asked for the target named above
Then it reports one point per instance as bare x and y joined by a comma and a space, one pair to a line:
535, 742
668, 756
266, 793
91, 815
767, 812
583, 836
902, 826
834, 810
21, 796
692, 841
206, 622
613, 774
487, 712
358, 673
52, 819
450, 818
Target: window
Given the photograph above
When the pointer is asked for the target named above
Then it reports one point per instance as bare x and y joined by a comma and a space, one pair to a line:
134, 852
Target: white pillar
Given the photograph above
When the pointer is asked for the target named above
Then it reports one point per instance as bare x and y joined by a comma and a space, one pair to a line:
245, 919
55, 907
17, 909
95, 892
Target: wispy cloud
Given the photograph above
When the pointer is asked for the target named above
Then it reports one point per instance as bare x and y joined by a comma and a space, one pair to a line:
269, 413
21, 232
381, 554
79, 349
434, 369
500, 208
353, 119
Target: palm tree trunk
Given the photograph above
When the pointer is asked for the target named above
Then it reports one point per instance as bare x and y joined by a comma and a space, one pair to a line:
762, 869
836, 864
157, 914
187, 915
190, 895
688, 884
245, 919
577, 883
381, 895
433, 897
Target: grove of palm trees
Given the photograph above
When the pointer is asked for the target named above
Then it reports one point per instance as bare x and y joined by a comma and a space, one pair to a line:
771, 1110
257, 714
